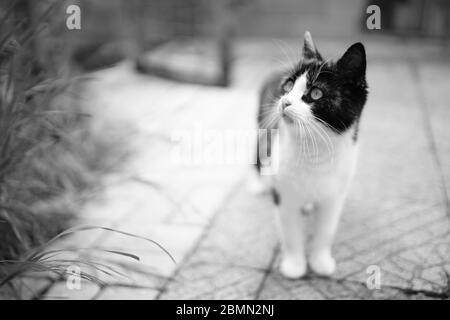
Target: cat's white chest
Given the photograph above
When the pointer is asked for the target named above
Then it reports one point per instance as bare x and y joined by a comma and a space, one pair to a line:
318, 169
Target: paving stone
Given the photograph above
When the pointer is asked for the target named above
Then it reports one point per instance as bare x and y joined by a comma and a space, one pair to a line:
436, 93
406, 180
316, 288
232, 257
281, 289
121, 199
152, 196
200, 280
244, 234
127, 293
60, 291
395, 205
31, 286
7, 293
396, 216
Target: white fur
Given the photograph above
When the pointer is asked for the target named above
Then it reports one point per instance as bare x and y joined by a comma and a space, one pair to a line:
315, 169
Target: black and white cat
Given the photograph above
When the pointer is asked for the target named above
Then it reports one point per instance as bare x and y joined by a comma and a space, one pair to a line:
314, 109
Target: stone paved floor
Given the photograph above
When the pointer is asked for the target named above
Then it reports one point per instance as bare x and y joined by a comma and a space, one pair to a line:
397, 216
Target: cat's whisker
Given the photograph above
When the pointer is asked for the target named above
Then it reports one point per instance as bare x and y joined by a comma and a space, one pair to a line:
304, 143
268, 110
273, 101
314, 140
310, 126
266, 123
274, 120
305, 136
269, 113
288, 67
278, 42
325, 137
320, 69
306, 139
294, 53
299, 137
325, 124
300, 134
269, 104
283, 64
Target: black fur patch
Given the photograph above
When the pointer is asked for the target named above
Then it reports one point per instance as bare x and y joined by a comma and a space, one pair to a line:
275, 196
356, 132
343, 84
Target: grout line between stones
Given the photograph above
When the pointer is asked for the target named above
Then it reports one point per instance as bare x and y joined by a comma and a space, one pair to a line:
267, 272
424, 107
221, 208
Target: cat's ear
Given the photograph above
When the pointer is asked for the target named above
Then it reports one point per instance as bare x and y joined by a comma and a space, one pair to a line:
353, 62
309, 49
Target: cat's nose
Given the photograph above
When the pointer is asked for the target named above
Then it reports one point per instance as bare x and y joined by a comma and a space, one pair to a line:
285, 103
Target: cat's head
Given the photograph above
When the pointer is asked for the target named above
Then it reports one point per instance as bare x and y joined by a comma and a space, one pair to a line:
332, 93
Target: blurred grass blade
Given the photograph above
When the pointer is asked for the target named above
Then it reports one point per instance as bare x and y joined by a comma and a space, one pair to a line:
86, 228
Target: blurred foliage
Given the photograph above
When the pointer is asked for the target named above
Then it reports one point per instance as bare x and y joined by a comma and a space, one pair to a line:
49, 158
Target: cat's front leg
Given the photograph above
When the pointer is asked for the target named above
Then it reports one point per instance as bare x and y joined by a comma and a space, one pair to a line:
293, 263
327, 215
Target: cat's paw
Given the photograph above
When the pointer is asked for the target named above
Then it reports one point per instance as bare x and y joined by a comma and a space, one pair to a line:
322, 263
293, 268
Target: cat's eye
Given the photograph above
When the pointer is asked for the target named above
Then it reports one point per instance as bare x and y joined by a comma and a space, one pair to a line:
288, 85
316, 94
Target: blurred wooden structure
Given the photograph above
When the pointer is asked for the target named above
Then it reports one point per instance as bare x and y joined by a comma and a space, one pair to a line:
135, 29
424, 18
191, 38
